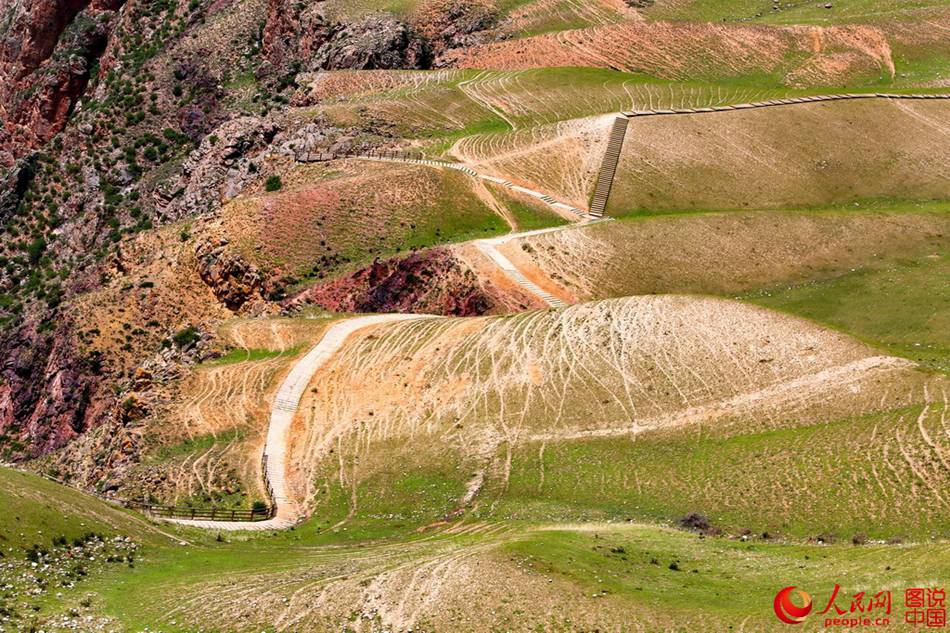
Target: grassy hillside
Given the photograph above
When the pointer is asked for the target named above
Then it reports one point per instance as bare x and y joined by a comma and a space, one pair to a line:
457, 103
875, 274
55, 543
333, 217
901, 304
523, 471
853, 11
839, 152
464, 575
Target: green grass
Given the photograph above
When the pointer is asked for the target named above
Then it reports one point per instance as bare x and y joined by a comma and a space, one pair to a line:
198, 444
788, 482
251, 355
627, 563
722, 582
298, 241
528, 216
899, 304
794, 11
36, 510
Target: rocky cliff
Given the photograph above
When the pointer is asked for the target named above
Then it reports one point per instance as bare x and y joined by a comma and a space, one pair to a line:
122, 116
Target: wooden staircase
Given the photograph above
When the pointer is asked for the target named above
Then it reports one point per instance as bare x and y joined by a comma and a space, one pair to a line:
608, 167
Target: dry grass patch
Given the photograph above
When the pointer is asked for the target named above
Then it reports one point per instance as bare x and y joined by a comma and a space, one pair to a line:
724, 253
839, 152
797, 56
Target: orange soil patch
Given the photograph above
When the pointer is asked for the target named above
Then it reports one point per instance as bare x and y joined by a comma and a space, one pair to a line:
682, 50
540, 13
510, 295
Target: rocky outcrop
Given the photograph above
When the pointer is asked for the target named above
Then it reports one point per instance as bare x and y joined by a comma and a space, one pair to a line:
47, 391
430, 282
299, 37
46, 56
235, 282
220, 168
454, 23
103, 456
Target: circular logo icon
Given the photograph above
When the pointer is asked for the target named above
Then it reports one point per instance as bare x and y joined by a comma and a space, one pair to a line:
789, 612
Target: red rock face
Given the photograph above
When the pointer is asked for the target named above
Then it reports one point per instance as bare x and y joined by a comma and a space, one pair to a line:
45, 58
46, 397
432, 282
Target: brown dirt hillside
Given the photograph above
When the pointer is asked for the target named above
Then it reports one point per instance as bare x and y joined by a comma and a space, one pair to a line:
811, 154
470, 391
561, 159
802, 56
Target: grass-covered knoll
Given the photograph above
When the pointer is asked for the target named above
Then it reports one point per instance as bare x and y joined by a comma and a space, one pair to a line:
251, 354
333, 217
839, 152
878, 274
36, 510
55, 542
457, 574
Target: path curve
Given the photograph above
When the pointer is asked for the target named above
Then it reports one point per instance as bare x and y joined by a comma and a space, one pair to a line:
558, 206
489, 246
286, 401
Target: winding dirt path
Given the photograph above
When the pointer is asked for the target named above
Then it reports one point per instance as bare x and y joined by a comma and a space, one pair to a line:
489, 246
288, 511
562, 209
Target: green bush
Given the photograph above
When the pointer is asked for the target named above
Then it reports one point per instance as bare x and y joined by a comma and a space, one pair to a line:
186, 337
273, 183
